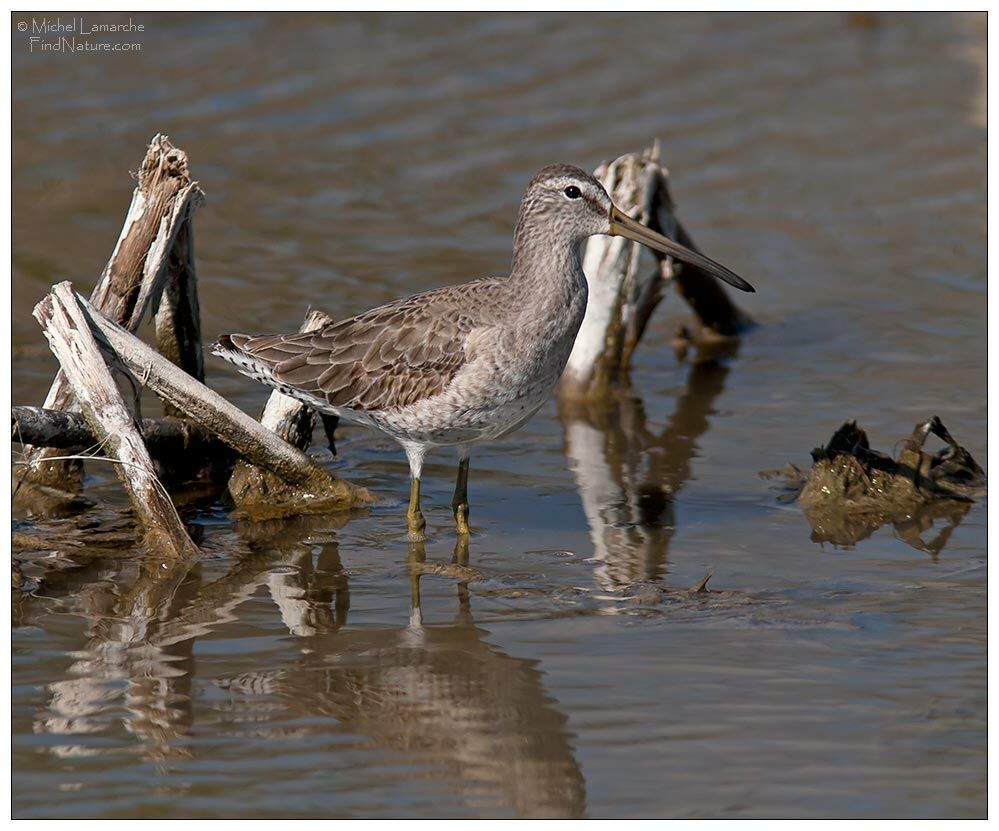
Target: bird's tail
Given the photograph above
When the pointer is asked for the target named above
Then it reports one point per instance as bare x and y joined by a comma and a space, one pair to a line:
229, 348
243, 352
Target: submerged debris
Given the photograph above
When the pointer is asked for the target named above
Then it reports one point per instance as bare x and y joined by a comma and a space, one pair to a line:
851, 490
650, 593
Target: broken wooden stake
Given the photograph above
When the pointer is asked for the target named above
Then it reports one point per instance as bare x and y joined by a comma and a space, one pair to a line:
178, 314
162, 204
626, 281
68, 332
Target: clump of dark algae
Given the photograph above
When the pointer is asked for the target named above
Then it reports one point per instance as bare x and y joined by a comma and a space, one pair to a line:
851, 490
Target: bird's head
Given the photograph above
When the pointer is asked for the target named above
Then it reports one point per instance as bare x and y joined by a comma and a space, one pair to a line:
564, 203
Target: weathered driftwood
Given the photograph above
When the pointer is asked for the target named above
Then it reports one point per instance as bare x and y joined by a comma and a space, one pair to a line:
168, 198
164, 437
317, 489
257, 492
68, 332
162, 204
178, 314
178, 337
626, 281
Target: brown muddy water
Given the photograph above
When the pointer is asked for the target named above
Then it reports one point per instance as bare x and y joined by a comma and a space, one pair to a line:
836, 161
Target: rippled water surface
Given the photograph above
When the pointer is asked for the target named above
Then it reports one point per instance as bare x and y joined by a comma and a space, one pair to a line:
563, 666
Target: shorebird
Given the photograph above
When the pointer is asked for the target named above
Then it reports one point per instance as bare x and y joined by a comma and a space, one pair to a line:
466, 363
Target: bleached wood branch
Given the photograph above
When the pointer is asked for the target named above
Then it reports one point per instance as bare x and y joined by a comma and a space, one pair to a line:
254, 442
68, 332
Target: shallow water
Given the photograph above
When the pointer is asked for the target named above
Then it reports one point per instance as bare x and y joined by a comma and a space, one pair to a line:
562, 666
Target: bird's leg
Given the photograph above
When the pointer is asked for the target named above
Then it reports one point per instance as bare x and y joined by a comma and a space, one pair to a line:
459, 503
330, 423
417, 556
460, 558
460, 555
415, 522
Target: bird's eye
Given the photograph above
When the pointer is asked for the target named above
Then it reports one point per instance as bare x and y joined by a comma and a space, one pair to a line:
572, 192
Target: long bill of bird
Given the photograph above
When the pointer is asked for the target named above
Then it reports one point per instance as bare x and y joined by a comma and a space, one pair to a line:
624, 226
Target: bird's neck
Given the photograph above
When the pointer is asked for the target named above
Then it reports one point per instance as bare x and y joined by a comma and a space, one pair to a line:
546, 262
548, 281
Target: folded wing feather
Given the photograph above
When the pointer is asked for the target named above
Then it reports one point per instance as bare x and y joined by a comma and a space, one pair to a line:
391, 356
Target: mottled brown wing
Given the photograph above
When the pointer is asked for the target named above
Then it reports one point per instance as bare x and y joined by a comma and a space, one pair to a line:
388, 357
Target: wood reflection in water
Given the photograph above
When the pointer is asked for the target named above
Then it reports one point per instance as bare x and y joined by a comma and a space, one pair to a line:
479, 720
628, 475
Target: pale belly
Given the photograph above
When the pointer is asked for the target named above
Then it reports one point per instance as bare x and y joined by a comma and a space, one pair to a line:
482, 408
444, 421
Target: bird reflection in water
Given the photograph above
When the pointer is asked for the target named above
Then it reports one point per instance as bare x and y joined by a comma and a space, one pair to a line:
628, 475
479, 720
